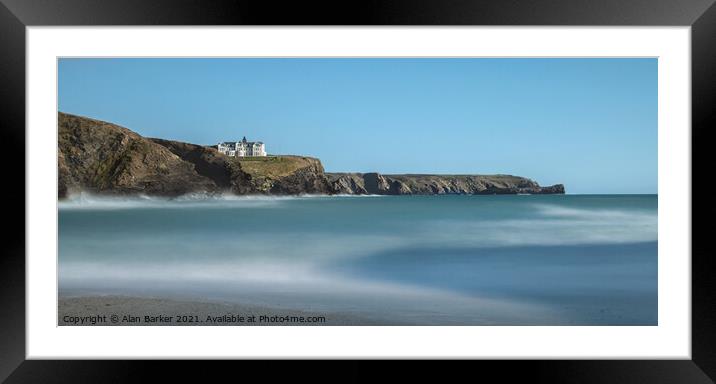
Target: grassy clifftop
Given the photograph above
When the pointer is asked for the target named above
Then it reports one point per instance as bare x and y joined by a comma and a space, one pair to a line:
276, 166
285, 174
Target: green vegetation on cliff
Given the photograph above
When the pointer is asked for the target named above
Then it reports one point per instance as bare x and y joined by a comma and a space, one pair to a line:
274, 166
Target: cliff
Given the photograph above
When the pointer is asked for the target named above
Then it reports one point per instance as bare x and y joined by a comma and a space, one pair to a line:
104, 158
274, 175
286, 175
377, 184
224, 173
100, 157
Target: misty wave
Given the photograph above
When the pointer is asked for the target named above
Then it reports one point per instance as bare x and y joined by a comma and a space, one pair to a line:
553, 225
593, 214
90, 201
298, 250
285, 286
276, 275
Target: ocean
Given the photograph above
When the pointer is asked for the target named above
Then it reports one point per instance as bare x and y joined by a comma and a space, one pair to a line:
426, 260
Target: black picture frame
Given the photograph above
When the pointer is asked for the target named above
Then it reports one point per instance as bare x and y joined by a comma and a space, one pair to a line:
16, 15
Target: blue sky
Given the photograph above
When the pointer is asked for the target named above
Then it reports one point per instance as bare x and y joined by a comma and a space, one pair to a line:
588, 123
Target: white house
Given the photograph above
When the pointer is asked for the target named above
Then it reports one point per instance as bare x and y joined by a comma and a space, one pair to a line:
242, 148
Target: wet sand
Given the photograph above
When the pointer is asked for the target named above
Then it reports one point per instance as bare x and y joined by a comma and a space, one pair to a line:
136, 311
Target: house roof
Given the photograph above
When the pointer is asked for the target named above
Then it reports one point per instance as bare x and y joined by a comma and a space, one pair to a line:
241, 142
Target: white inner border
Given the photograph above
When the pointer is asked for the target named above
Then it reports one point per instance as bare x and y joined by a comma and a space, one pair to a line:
670, 339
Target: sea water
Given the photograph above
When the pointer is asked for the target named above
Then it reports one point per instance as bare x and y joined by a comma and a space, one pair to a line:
441, 260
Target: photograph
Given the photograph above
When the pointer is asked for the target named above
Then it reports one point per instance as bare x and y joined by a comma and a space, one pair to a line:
357, 191
513, 185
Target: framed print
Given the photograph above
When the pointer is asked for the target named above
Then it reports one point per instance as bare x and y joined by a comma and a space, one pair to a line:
477, 181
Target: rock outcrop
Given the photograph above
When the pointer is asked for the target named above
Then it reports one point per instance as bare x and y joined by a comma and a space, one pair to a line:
104, 158
377, 184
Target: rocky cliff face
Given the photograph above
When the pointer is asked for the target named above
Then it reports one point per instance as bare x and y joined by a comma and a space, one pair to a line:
224, 172
377, 184
100, 157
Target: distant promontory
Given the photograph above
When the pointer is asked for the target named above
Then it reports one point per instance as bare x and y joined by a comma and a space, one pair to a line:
103, 158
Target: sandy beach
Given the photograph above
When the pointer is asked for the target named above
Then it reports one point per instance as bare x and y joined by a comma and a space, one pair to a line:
136, 311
